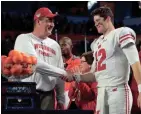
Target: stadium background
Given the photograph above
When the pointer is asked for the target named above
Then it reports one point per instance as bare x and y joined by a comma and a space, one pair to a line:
74, 20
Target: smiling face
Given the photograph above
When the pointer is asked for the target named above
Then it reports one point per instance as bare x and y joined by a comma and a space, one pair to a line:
103, 18
45, 26
101, 24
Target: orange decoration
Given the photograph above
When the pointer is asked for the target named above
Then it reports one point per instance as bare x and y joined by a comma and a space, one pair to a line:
18, 58
13, 53
16, 69
8, 63
34, 60
6, 72
17, 64
27, 60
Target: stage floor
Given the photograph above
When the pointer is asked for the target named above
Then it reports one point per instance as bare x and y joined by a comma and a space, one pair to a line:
49, 112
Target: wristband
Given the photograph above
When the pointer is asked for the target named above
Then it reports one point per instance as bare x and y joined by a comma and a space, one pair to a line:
77, 78
139, 88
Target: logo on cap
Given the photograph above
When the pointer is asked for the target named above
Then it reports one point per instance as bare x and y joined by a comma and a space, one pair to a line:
38, 15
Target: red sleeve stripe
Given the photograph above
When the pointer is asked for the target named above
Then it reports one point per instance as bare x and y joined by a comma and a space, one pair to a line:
127, 35
126, 39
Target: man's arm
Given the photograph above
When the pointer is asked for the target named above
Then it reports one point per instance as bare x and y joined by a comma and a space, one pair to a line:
136, 67
60, 83
87, 77
25, 45
126, 40
133, 58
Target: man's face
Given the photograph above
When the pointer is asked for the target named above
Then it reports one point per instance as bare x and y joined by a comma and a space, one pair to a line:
100, 24
46, 26
65, 47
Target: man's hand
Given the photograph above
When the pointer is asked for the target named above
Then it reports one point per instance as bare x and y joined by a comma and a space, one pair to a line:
69, 77
70, 74
60, 106
77, 70
139, 100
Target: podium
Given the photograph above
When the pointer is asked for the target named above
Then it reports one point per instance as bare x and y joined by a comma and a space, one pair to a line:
19, 96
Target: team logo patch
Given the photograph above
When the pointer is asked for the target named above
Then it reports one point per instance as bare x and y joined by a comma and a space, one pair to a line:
38, 15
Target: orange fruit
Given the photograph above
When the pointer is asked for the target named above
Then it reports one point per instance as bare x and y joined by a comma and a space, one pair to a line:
16, 69
13, 52
23, 54
34, 60
3, 57
17, 58
6, 72
29, 66
24, 66
27, 60
8, 62
27, 70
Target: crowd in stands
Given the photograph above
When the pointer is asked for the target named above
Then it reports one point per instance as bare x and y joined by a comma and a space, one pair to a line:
24, 22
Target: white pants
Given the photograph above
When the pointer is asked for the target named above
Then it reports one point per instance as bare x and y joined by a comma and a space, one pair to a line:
114, 100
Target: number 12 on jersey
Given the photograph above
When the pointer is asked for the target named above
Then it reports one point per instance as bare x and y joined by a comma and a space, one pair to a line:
100, 56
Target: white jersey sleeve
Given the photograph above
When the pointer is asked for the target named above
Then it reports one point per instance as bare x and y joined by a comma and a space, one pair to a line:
127, 43
126, 36
24, 44
131, 53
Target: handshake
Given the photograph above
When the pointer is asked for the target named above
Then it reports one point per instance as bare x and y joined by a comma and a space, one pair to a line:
72, 74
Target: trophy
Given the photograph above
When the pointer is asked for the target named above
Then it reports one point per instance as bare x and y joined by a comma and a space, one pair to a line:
16, 94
